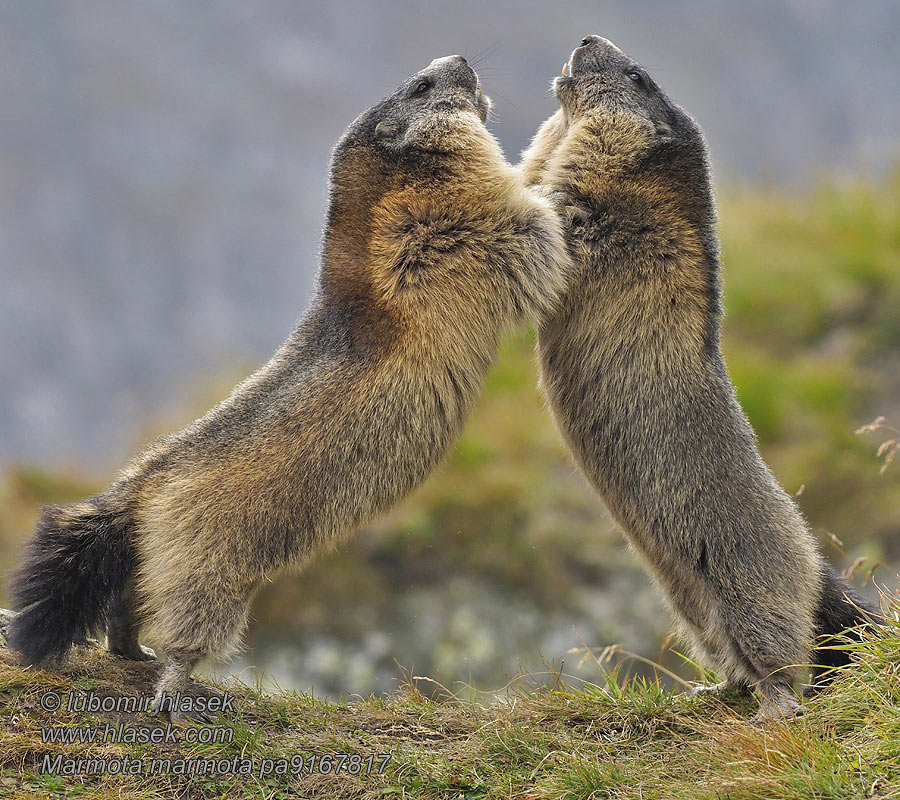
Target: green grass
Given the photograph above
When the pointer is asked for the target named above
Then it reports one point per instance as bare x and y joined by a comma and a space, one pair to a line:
615, 738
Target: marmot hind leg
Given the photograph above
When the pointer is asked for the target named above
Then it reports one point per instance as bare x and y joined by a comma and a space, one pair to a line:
195, 622
709, 648
122, 629
688, 599
777, 699
765, 647
175, 685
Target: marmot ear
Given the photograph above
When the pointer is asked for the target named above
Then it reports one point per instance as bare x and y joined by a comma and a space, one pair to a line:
416, 133
665, 133
386, 130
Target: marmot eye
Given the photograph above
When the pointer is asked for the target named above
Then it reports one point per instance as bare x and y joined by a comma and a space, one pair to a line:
585, 41
423, 87
635, 76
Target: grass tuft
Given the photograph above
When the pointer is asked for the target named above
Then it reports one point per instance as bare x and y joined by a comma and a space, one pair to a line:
619, 737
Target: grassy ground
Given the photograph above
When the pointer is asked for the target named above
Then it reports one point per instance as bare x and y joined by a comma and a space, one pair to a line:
600, 740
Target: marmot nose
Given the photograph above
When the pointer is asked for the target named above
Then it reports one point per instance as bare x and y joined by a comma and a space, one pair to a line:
460, 59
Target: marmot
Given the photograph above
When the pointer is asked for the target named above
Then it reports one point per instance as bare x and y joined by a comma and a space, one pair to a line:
432, 247
633, 370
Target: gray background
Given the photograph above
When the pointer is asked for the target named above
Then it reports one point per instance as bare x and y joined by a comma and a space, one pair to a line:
162, 164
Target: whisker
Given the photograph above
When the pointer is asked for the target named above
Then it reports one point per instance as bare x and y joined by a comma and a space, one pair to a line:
493, 94
483, 55
494, 73
476, 56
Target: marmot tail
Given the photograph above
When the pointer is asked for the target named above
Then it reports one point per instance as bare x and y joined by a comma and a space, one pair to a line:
77, 564
840, 607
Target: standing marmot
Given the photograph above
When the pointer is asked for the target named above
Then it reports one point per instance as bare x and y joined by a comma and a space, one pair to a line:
632, 366
432, 248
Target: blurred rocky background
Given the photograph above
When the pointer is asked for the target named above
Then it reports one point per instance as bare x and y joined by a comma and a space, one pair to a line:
162, 190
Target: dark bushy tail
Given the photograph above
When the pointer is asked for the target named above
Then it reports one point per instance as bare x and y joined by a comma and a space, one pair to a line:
76, 565
841, 607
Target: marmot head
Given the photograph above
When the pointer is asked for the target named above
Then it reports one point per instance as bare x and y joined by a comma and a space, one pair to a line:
412, 135
604, 84
629, 140
423, 114
395, 182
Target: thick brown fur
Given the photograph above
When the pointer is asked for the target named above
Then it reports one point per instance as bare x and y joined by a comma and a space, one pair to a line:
433, 247
632, 367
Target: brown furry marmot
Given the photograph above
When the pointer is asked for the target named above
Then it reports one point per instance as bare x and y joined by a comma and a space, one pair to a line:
632, 367
432, 248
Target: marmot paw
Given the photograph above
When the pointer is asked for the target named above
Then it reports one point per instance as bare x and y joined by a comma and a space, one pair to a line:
136, 653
